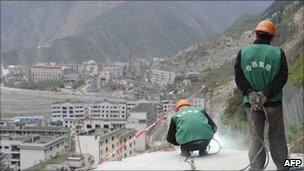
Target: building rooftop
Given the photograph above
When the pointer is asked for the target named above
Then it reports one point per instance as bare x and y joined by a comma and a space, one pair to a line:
106, 133
171, 160
14, 137
31, 139
145, 107
41, 139
35, 128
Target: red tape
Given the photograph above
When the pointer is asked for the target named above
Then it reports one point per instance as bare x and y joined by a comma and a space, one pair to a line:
138, 134
163, 117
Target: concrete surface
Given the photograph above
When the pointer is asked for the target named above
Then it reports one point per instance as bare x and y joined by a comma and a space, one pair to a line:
170, 160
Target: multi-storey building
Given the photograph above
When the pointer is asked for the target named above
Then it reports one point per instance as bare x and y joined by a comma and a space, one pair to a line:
90, 124
70, 73
112, 72
197, 102
101, 142
108, 110
142, 116
167, 102
26, 151
162, 77
37, 130
88, 68
28, 119
70, 112
44, 72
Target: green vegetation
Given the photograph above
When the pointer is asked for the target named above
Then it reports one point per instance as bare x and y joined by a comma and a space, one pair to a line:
246, 22
219, 76
234, 120
296, 71
295, 132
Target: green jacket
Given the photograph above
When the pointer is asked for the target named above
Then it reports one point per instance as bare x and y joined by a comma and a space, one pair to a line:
191, 125
261, 64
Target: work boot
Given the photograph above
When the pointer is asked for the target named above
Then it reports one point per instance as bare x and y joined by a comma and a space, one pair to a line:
202, 153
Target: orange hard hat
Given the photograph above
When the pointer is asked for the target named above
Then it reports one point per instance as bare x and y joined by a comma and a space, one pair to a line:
266, 26
182, 102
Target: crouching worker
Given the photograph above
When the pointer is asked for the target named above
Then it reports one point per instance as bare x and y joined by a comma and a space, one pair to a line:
191, 128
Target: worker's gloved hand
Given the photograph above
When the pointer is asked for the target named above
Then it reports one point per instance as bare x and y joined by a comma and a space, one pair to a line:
253, 100
261, 98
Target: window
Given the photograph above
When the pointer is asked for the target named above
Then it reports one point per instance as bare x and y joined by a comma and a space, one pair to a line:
130, 152
106, 141
57, 145
51, 149
112, 138
89, 126
0, 146
6, 147
97, 126
112, 146
106, 149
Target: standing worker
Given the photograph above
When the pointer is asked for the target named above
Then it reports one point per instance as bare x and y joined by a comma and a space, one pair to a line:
261, 73
190, 127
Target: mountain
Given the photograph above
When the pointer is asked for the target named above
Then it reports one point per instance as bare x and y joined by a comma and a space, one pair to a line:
32, 24
216, 57
72, 31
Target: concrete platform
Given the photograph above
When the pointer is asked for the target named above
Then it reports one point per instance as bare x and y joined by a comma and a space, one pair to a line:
170, 160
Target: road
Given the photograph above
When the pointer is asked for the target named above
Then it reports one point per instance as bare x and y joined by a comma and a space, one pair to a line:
160, 133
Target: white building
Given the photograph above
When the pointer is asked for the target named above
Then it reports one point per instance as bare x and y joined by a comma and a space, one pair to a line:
4, 71
108, 110
42, 72
162, 77
28, 151
89, 68
17, 69
101, 142
192, 74
90, 124
28, 119
70, 73
167, 102
69, 112
112, 72
197, 102
142, 116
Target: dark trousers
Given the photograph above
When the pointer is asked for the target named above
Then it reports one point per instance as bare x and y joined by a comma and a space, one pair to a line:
276, 135
200, 145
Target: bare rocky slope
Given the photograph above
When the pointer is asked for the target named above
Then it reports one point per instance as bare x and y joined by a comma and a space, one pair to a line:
214, 59
75, 31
